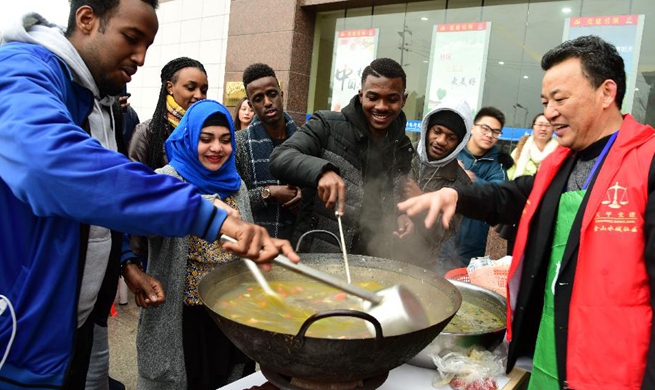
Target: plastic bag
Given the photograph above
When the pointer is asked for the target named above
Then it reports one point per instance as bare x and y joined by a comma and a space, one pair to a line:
490, 274
479, 262
473, 372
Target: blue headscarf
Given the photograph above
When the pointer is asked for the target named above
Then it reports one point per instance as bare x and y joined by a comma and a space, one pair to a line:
182, 151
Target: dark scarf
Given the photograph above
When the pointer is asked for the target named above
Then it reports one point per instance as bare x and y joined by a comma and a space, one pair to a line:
260, 148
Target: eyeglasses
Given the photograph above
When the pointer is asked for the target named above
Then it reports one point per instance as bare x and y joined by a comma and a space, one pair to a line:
488, 131
542, 124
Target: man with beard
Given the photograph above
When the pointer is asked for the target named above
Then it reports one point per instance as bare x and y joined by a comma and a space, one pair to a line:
274, 203
65, 193
444, 133
365, 146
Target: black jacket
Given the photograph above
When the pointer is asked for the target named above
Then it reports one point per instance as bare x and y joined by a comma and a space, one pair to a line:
373, 173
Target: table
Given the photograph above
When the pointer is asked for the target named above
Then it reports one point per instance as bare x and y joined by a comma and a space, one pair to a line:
402, 378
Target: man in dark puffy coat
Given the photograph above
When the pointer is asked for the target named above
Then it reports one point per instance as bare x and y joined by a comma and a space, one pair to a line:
364, 146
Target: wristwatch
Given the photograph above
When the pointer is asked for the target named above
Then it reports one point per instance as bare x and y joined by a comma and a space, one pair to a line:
134, 260
266, 193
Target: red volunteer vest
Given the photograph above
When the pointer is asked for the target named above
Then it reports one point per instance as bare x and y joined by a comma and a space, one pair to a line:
610, 312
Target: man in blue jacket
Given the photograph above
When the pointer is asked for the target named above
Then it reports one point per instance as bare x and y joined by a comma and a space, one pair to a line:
65, 193
483, 163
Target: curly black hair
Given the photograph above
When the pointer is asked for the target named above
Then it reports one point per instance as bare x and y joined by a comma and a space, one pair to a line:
159, 129
104, 9
492, 112
255, 72
599, 59
385, 67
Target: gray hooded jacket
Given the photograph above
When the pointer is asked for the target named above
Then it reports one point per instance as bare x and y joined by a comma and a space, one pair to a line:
423, 247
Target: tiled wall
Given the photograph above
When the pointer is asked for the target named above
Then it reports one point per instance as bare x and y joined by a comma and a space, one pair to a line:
191, 28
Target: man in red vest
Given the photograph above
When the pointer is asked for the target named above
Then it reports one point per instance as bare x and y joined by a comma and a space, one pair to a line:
583, 269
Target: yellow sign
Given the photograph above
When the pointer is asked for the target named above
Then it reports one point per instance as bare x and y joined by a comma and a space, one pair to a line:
234, 91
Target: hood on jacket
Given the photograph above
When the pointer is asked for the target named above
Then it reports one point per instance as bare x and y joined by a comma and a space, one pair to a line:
462, 109
35, 29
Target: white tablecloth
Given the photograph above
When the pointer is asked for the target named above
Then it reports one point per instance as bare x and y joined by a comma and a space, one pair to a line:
401, 378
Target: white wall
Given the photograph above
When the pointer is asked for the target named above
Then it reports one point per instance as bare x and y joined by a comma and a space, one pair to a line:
56, 11
191, 28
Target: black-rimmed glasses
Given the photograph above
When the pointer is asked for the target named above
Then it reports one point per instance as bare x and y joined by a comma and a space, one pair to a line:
488, 131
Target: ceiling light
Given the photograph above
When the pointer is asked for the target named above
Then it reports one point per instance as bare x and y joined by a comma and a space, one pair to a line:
525, 77
425, 62
636, 89
566, 10
424, 18
501, 62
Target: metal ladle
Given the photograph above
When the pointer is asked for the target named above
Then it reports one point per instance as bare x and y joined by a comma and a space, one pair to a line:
396, 308
343, 246
263, 283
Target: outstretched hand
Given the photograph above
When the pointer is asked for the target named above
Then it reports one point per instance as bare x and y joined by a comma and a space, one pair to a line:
254, 243
443, 201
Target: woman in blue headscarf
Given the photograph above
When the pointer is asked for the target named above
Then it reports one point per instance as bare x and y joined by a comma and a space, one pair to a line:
178, 344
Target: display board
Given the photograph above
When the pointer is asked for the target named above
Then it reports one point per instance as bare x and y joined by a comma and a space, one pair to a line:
353, 51
458, 62
624, 32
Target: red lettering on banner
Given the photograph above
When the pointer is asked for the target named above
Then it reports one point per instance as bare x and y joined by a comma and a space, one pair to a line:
607, 20
455, 27
369, 32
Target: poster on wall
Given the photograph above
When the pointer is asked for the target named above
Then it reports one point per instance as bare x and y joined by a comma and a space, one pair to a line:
353, 51
624, 32
458, 63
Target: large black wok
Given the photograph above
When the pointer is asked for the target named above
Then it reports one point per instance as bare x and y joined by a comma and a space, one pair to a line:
328, 360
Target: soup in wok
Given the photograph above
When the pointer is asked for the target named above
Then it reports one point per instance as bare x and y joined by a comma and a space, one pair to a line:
473, 318
330, 360
250, 305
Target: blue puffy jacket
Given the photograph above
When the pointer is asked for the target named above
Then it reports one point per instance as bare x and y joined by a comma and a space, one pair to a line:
55, 178
471, 238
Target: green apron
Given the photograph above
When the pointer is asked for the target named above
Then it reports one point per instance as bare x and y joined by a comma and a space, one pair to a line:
544, 370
